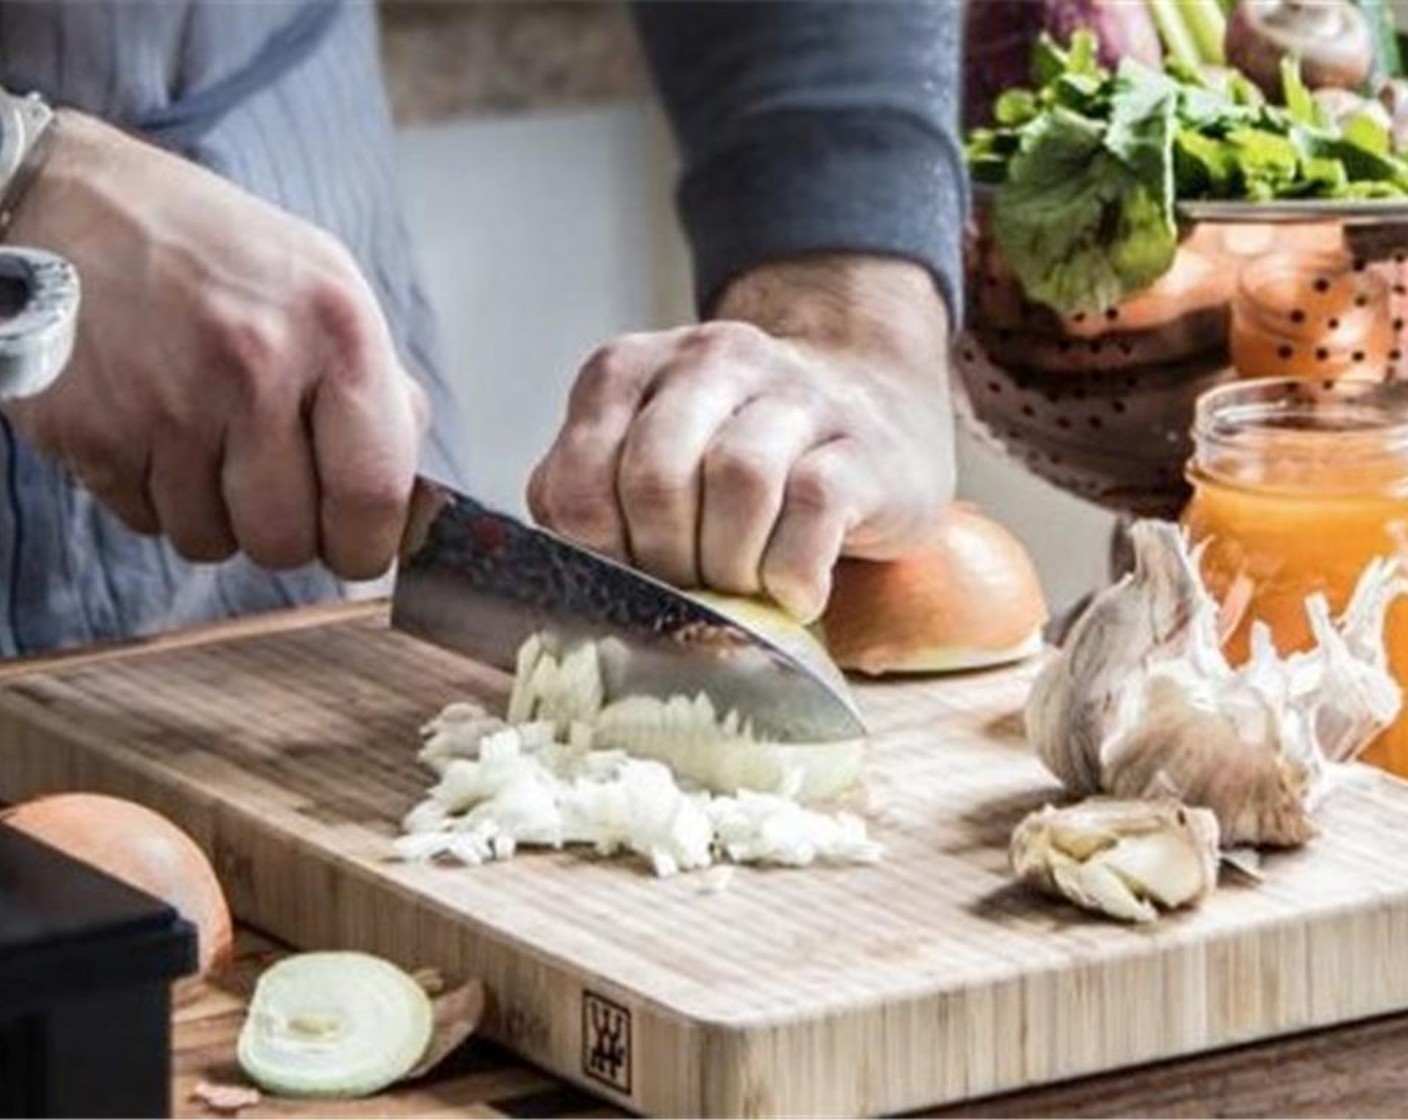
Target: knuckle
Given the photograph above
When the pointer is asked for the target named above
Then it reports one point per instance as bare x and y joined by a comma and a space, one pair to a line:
586, 518
739, 471
723, 338
646, 483
813, 489
341, 320
610, 365
370, 493
378, 497
251, 348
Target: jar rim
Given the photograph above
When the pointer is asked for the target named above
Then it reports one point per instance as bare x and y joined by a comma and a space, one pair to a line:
1303, 421
1333, 408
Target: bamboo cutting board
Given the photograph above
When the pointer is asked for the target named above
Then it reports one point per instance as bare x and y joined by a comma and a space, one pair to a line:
289, 753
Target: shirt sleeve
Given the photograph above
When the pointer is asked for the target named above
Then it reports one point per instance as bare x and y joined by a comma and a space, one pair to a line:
812, 127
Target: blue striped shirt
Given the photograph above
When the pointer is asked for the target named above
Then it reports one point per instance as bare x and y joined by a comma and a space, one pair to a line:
286, 100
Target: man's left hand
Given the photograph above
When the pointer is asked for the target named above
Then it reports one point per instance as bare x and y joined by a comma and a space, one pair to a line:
810, 419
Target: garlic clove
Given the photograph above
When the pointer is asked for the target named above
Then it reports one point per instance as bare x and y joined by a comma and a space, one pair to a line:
1157, 864
1126, 859
1095, 886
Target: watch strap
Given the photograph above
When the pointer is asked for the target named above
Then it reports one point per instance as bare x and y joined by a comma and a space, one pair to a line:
37, 125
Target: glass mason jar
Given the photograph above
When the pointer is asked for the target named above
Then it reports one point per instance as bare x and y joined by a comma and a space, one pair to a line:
1311, 315
1297, 485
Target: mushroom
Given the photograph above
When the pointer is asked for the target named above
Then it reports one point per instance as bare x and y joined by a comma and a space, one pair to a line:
1330, 37
1393, 97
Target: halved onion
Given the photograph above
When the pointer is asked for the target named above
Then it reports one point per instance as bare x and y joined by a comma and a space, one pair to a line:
143, 849
968, 600
334, 1024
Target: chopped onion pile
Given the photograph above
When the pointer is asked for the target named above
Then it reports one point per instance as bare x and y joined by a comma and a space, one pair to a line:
632, 776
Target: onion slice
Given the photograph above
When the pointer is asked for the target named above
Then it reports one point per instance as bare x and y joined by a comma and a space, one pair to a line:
334, 1024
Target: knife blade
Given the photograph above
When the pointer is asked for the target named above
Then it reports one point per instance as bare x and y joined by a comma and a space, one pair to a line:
481, 582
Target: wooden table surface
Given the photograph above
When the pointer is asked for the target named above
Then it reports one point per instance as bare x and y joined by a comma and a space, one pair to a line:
1357, 1070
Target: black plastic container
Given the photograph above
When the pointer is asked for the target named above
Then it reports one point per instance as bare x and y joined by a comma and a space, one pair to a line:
86, 966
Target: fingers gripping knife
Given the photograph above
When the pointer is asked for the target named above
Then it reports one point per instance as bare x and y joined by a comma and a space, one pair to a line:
38, 290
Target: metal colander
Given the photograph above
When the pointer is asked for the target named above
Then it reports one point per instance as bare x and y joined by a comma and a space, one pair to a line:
1101, 406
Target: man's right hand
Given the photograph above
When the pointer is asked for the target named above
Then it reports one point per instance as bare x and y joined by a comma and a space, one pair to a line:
233, 385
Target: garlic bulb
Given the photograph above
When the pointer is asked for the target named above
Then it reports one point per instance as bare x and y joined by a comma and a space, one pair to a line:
1141, 702
1126, 859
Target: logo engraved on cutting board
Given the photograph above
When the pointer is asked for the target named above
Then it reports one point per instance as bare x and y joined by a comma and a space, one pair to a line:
606, 1042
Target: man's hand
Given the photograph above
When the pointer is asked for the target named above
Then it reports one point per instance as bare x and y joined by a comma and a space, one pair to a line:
234, 385
810, 419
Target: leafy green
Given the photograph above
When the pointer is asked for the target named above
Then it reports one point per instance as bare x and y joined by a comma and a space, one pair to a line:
1301, 106
1202, 165
1364, 131
1266, 164
1088, 164
1015, 107
1062, 193
1086, 211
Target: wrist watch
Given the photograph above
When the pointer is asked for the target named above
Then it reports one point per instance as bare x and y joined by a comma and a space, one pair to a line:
39, 291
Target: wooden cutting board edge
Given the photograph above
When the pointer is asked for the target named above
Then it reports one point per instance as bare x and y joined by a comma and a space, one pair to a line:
281, 621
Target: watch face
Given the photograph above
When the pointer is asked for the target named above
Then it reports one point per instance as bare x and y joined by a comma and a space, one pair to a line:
14, 295
39, 297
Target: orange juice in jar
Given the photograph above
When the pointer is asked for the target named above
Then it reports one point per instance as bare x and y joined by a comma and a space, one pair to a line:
1311, 315
1297, 485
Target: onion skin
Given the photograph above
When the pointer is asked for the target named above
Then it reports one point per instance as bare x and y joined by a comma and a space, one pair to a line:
970, 598
143, 849
1331, 37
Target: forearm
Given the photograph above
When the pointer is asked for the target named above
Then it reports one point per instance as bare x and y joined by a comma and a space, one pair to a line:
885, 307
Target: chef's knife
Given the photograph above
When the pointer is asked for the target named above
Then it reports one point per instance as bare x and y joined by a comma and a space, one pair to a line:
481, 582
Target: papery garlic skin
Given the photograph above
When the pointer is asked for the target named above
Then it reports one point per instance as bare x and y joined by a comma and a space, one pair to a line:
1150, 614
1140, 702
1130, 860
